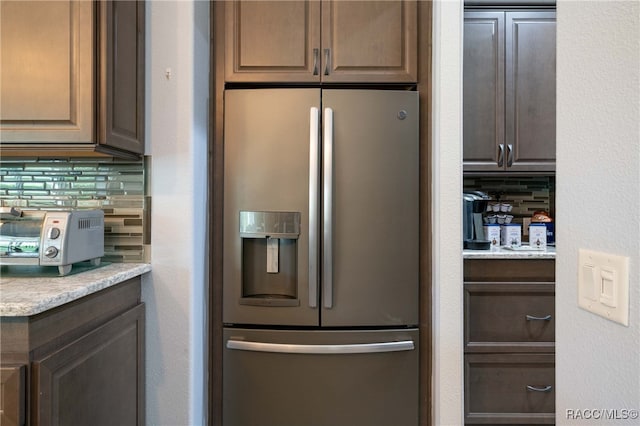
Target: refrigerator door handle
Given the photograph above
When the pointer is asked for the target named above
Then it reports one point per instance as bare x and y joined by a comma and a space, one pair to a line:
314, 123
327, 192
357, 348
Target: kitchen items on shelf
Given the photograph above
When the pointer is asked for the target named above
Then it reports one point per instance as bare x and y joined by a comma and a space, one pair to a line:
544, 218
538, 235
511, 235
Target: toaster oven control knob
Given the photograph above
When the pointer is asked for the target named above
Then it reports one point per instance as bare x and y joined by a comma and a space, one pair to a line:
53, 233
51, 252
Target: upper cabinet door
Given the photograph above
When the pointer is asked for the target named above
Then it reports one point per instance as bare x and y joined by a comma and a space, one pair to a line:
46, 72
509, 91
370, 41
321, 41
121, 118
276, 41
531, 90
483, 91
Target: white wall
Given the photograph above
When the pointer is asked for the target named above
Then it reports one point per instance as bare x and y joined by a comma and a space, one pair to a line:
447, 213
598, 200
177, 40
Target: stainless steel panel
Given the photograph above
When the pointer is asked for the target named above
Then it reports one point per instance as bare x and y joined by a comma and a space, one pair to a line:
270, 224
285, 389
266, 167
374, 207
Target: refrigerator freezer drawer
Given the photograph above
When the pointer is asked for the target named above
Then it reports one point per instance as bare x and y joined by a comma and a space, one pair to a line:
319, 378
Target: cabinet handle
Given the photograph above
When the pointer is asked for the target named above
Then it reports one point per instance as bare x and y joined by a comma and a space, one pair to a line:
327, 56
533, 318
539, 389
316, 54
500, 155
509, 155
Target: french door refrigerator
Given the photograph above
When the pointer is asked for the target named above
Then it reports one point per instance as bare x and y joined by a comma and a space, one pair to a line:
320, 280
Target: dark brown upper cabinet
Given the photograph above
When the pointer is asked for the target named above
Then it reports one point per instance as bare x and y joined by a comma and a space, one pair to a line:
509, 91
72, 78
121, 75
321, 41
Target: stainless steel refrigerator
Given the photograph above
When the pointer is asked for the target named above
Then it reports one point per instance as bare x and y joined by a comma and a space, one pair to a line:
321, 255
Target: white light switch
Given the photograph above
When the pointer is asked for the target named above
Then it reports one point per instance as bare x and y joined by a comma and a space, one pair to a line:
603, 285
608, 287
591, 285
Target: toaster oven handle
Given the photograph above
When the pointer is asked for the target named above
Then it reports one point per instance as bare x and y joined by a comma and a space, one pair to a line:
314, 131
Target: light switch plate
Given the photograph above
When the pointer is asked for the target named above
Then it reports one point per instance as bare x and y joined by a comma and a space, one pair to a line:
603, 285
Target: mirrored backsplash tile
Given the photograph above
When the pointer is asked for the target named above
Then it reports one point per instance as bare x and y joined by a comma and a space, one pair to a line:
116, 186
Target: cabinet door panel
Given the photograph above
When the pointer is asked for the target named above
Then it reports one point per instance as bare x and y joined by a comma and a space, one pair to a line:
369, 41
122, 75
12, 395
272, 41
95, 380
46, 72
531, 90
483, 91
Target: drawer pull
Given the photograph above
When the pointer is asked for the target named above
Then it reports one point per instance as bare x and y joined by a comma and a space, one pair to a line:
532, 318
539, 389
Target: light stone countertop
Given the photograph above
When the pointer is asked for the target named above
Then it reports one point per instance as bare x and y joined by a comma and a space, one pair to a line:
504, 253
24, 295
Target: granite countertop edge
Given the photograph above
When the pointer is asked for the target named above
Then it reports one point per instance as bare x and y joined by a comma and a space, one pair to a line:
27, 296
502, 253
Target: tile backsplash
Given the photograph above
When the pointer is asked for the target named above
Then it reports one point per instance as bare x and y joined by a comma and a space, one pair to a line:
526, 194
118, 187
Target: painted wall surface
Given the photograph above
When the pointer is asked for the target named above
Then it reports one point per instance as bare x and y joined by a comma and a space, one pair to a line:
177, 89
447, 213
598, 203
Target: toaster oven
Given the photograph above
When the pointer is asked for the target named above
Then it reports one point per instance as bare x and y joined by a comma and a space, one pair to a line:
51, 238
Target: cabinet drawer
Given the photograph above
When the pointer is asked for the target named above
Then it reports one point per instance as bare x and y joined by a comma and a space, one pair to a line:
509, 389
502, 317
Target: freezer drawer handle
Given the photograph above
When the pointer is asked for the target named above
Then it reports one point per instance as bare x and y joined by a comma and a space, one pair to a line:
358, 348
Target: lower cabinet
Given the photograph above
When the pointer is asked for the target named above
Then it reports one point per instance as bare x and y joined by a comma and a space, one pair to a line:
12, 396
509, 359
83, 361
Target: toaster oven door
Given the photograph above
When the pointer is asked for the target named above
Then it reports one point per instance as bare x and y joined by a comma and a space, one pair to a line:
20, 239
